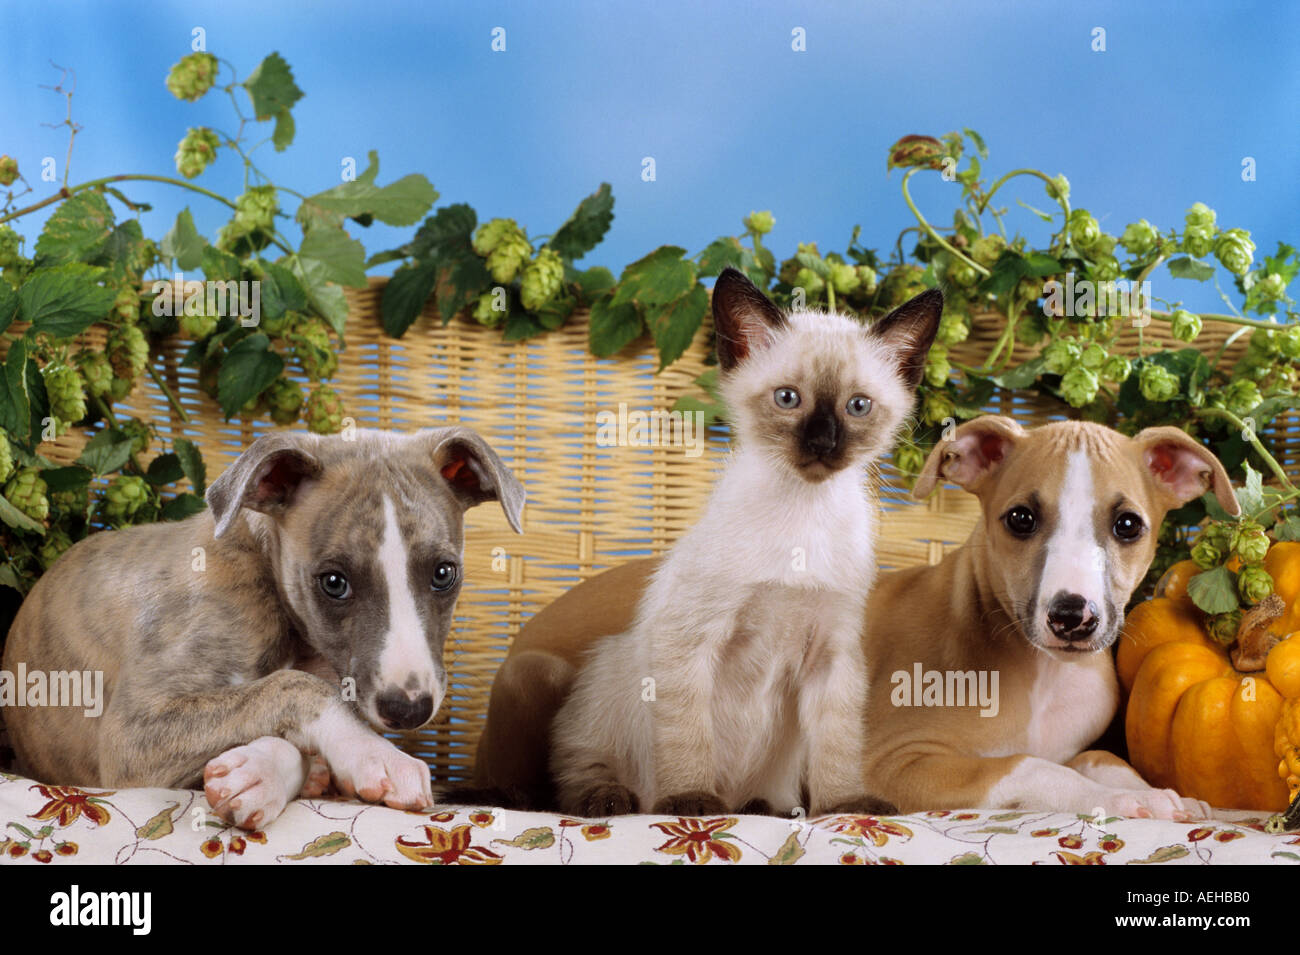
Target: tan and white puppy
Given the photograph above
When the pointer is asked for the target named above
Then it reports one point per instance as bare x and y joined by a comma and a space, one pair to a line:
312, 598
1032, 601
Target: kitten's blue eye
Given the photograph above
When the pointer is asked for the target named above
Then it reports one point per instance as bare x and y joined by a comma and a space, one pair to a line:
858, 405
786, 398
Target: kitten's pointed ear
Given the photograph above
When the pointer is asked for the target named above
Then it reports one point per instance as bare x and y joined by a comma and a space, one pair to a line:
909, 331
743, 317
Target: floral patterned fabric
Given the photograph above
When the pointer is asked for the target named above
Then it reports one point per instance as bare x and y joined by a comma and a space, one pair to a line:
58, 825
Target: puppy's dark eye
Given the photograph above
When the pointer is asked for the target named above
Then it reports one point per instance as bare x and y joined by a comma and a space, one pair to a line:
1020, 521
858, 405
335, 585
1128, 527
786, 398
444, 576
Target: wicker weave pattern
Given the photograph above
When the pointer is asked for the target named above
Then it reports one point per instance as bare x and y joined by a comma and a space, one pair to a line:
589, 507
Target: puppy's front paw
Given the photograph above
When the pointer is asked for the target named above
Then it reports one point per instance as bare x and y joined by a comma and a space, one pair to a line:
863, 805
695, 803
1155, 804
317, 782
249, 786
608, 799
380, 772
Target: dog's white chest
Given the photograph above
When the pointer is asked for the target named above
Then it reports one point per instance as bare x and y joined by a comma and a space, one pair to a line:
1070, 706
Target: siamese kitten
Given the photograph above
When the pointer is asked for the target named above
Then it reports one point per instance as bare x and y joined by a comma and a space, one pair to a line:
741, 685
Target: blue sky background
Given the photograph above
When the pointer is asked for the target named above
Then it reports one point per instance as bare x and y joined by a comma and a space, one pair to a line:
734, 118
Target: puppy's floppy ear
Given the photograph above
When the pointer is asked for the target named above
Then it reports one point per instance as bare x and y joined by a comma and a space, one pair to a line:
475, 474
909, 332
1181, 468
743, 318
969, 455
264, 478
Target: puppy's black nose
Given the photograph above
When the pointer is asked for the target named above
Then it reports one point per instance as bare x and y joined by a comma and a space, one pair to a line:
400, 712
821, 434
1071, 617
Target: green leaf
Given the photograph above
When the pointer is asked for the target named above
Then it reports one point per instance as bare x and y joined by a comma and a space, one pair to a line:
587, 226
182, 244
325, 845
164, 469
9, 578
106, 452
191, 462
1251, 496
77, 231
593, 282
326, 298
720, 253
285, 286
675, 325
123, 248
446, 229
69, 478
465, 278
1214, 591
1185, 267
405, 295
182, 506
1039, 264
1022, 376
219, 265
284, 131
400, 203
1045, 216
381, 258
657, 279
1163, 854
65, 300
343, 257
1009, 269
8, 305
17, 519
248, 369
612, 327
15, 405
271, 87
790, 852
1287, 528
521, 326
978, 140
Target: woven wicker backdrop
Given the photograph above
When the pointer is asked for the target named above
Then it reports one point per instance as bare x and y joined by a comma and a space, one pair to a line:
589, 507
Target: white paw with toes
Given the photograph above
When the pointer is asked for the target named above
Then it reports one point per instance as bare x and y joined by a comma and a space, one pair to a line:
1155, 804
377, 771
250, 785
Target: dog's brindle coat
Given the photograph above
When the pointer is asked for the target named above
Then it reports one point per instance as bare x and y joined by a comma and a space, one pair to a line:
206, 629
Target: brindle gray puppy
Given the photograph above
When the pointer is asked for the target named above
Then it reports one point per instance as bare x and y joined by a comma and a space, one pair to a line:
223, 638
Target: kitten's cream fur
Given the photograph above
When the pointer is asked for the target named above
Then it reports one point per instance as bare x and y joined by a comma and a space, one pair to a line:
742, 677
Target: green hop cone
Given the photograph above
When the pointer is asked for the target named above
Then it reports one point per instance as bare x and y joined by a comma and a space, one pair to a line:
1250, 542
867, 279
938, 407
1241, 396
1084, 229
486, 312
124, 497
962, 273
902, 283
96, 371
1184, 325
986, 249
128, 352
1058, 188
843, 278
490, 234
324, 410
1158, 384
1235, 250
256, 208
9, 242
909, 460
6, 459
314, 350
953, 329
66, 393
1198, 242
542, 279
1288, 342
284, 400
197, 327
138, 432
937, 368
1029, 289
27, 491
1079, 386
1218, 533
74, 502
508, 257
1106, 268
1116, 368
126, 305
811, 283
1200, 216
1223, 627
1140, 238
1061, 355
1272, 287
54, 546
760, 223
1205, 554
8, 170
196, 151
1254, 584
192, 76
1092, 357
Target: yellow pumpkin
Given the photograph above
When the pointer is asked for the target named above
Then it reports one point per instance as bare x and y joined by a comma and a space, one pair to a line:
1197, 725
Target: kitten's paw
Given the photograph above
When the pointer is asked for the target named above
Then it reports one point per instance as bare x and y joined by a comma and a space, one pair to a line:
757, 807
861, 805
608, 799
695, 803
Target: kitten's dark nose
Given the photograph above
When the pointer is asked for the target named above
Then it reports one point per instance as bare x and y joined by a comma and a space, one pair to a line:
1071, 617
821, 435
400, 712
